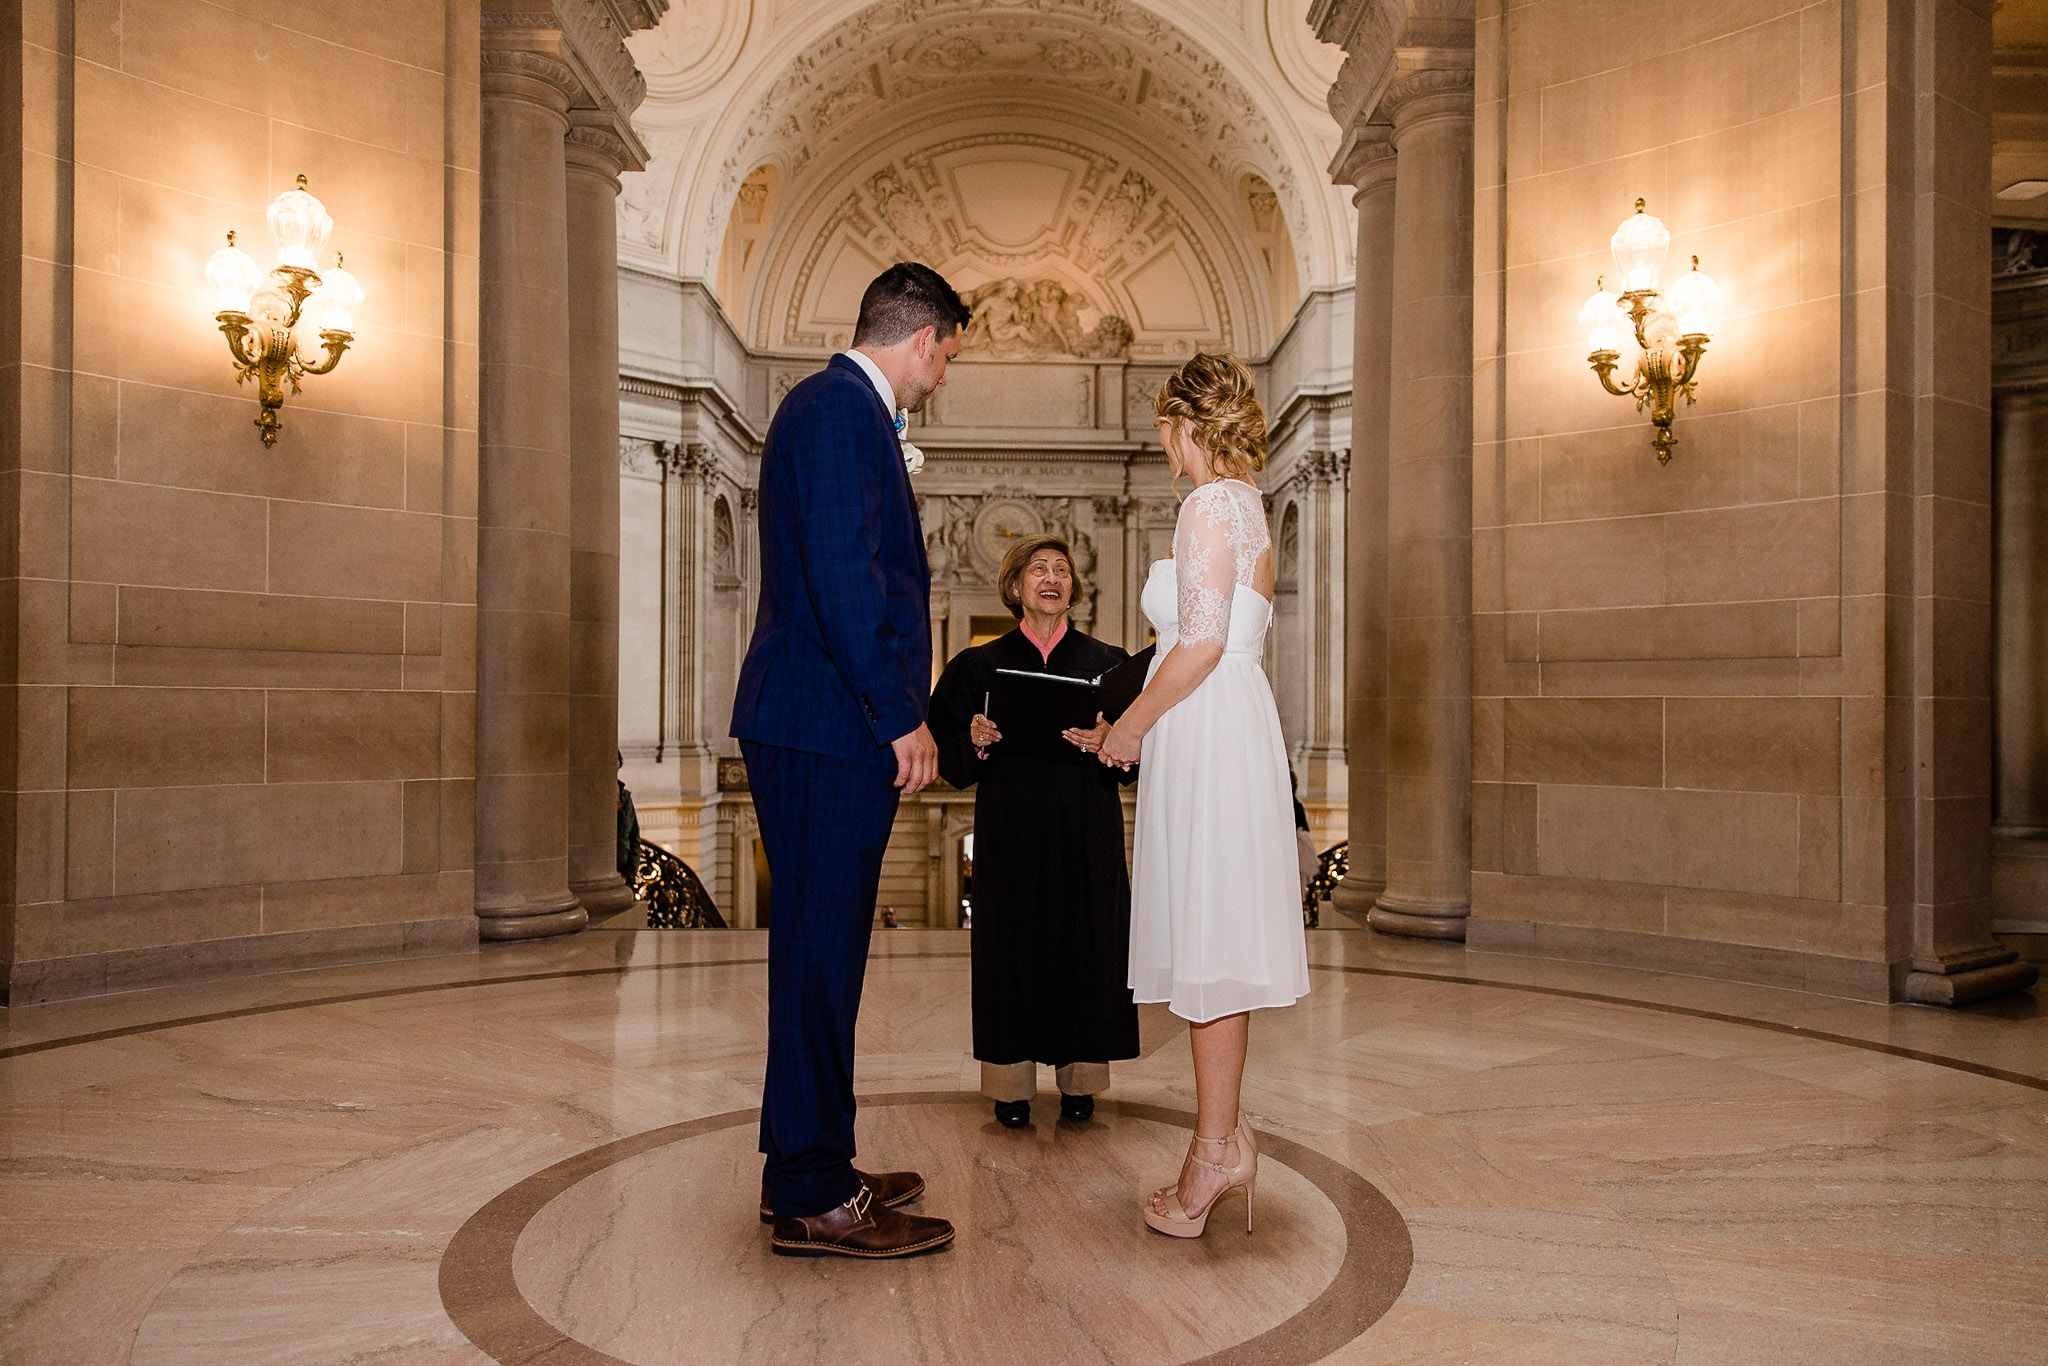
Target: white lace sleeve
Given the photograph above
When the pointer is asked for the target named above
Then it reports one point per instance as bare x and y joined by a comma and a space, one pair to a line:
1205, 565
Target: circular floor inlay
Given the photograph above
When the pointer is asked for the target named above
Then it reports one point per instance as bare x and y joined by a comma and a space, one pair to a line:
645, 1250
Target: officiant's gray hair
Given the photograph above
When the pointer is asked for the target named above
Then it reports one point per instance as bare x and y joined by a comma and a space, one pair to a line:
904, 299
1017, 559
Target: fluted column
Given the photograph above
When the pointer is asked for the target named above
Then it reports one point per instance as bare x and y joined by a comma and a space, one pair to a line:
689, 517
594, 157
2020, 545
523, 504
1323, 778
1368, 164
1429, 513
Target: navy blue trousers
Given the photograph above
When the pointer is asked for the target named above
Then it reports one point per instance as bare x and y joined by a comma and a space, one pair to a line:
824, 825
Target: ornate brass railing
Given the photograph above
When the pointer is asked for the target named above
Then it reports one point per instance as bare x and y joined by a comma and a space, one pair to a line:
1330, 870
676, 899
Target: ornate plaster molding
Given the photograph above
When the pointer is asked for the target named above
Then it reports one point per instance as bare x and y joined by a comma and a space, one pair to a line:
1114, 222
1114, 56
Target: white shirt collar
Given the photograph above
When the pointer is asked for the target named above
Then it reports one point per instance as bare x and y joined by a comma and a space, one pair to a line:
876, 378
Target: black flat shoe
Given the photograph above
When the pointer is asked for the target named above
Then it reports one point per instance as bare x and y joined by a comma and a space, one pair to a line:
1076, 1108
1013, 1114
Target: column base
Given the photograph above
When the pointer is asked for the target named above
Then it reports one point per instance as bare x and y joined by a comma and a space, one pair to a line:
1357, 894
1411, 920
539, 923
604, 895
1975, 976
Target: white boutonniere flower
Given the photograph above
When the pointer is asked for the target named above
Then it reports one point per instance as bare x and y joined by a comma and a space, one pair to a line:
913, 458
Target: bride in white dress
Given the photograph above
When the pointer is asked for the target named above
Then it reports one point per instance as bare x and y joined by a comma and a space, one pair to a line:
1216, 927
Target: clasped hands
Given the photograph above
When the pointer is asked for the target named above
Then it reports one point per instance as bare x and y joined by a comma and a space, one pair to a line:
1099, 740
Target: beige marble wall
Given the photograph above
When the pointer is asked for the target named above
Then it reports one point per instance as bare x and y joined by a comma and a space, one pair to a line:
1731, 715
240, 711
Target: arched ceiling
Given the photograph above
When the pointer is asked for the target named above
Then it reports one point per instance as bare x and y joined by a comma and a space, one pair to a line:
1098, 143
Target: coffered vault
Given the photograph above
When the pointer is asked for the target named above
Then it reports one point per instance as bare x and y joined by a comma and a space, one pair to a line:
1162, 162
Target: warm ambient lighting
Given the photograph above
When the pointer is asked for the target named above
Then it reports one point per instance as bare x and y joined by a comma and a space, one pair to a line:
259, 320
1670, 333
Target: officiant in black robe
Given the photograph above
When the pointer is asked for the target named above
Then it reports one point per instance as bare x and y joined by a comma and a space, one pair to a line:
1052, 890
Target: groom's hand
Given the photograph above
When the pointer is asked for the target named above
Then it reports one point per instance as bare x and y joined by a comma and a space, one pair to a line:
917, 759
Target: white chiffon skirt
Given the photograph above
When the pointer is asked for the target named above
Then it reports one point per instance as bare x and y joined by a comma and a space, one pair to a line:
1215, 883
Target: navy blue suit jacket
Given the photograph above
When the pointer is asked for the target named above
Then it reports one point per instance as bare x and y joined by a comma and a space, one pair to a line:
841, 659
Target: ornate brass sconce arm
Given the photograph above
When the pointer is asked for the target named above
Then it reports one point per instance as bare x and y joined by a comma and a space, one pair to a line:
336, 343
1603, 363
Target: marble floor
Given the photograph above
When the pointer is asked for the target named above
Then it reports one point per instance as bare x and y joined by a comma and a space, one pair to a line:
544, 1153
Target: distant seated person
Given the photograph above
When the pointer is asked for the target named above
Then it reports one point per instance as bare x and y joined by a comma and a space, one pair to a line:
1052, 894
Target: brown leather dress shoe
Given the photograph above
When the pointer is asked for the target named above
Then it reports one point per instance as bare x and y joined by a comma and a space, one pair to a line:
859, 1228
890, 1189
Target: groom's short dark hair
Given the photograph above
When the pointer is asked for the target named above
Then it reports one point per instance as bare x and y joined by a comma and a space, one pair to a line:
904, 299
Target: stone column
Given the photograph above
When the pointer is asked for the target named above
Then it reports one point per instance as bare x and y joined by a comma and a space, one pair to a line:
1368, 163
523, 501
1324, 782
2020, 547
1429, 513
595, 155
689, 579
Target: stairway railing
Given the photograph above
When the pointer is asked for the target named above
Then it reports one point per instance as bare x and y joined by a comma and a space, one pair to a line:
675, 896
1331, 865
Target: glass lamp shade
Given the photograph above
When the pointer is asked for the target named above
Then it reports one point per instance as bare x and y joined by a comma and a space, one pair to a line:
234, 277
1602, 318
1639, 246
301, 224
1693, 299
338, 299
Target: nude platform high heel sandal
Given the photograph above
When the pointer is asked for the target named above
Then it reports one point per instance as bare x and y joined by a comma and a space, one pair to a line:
1242, 1176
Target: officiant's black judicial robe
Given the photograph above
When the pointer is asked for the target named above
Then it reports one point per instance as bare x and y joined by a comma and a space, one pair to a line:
1052, 892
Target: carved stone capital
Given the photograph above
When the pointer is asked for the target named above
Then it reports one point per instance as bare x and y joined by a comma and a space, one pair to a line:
1114, 509
520, 73
1431, 93
692, 462
587, 38
593, 146
1365, 159
1327, 467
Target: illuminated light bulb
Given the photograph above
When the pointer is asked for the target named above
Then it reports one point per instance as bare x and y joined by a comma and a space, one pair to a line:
1602, 318
1693, 299
301, 224
234, 275
338, 297
1639, 247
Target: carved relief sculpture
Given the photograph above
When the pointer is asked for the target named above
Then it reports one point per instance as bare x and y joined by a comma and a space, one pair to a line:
1013, 318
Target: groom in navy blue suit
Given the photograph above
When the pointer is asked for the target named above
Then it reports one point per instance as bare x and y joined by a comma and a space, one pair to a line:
830, 717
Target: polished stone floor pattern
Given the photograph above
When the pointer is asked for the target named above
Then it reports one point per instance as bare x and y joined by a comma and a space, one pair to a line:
545, 1153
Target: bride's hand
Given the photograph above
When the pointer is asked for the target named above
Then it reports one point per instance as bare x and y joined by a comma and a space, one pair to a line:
1121, 747
1090, 740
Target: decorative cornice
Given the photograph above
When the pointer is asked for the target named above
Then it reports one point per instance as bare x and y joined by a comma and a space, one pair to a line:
597, 47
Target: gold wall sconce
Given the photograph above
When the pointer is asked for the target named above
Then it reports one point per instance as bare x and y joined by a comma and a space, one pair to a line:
260, 319
1671, 333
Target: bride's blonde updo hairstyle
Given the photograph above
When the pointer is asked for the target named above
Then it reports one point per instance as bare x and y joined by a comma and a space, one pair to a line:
1216, 396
